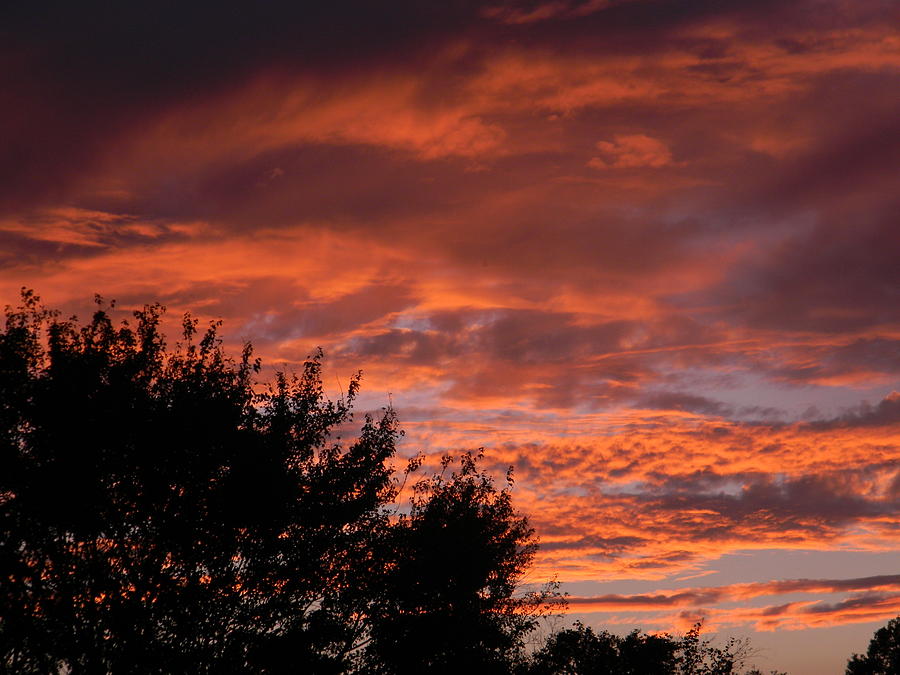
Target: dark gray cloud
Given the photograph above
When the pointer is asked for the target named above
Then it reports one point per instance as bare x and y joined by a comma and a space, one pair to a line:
885, 413
684, 401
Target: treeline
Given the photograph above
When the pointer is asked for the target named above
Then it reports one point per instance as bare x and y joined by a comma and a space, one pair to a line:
162, 511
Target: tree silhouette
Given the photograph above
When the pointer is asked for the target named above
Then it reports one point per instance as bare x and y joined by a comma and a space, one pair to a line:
883, 655
581, 651
458, 557
159, 513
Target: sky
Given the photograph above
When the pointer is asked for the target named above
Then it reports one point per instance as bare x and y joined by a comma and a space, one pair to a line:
645, 251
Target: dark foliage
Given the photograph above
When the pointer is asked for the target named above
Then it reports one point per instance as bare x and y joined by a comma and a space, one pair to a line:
581, 651
883, 655
159, 513
458, 556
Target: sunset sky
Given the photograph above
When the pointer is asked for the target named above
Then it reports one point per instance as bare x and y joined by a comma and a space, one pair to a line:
647, 252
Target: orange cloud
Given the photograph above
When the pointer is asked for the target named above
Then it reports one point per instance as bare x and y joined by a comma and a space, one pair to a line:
702, 596
631, 152
651, 502
275, 111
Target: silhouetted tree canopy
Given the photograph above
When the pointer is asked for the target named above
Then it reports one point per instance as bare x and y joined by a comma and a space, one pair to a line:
457, 559
883, 655
581, 651
160, 512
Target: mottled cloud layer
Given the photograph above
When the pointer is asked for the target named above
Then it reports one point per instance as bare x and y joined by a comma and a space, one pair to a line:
645, 250
870, 598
